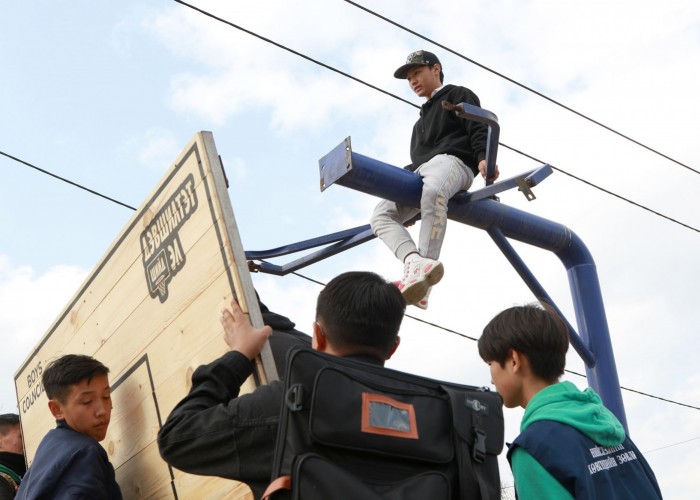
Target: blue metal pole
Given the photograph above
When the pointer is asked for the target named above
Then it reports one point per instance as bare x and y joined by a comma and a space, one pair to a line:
370, 176
538, 291
593, 328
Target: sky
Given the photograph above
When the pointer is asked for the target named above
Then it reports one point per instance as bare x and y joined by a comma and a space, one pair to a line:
107, 94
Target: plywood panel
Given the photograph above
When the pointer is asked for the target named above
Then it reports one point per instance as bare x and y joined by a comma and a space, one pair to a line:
149, 311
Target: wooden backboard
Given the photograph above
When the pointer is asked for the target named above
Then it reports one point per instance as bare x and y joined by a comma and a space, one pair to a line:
150, 312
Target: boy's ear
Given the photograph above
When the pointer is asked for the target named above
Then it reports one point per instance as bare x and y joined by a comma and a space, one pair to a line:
520, 361
393, 349
56, 409
318, 341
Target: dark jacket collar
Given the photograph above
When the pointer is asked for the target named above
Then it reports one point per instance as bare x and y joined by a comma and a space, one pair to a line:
14, 461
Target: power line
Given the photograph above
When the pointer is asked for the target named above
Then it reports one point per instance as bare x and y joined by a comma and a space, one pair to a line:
75, 184
374, 87
317, 282
79, 186
642, 393
515, 82
671, 445
606, 191
303, 56
435, 325
97, 193
439, 327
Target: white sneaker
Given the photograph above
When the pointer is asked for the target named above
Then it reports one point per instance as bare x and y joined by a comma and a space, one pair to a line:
419, 274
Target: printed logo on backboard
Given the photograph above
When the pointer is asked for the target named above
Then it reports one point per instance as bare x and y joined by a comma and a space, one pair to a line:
161, 248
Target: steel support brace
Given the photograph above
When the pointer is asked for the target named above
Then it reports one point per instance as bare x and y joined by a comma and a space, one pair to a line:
344, 167
538, 291
376, 178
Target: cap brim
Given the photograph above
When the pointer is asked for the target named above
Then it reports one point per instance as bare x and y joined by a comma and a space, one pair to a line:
402, 72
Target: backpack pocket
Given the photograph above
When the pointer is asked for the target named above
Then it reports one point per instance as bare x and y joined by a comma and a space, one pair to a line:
390, 419
314, 478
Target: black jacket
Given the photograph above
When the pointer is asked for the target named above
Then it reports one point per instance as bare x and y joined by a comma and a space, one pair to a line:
441, 132
213, 432
14, 463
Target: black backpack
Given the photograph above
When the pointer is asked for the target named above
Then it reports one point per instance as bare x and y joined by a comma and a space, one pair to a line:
358, 431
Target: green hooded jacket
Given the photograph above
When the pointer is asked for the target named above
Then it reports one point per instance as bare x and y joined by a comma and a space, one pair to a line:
562, 402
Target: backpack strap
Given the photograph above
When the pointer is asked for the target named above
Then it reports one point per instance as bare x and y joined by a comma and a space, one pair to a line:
470, 417
281, 483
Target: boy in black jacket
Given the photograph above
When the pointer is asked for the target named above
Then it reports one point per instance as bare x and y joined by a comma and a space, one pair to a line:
216, 431
447, 151
12, 466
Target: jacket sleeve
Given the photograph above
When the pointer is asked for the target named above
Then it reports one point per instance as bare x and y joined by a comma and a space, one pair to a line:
532, 481
214, 432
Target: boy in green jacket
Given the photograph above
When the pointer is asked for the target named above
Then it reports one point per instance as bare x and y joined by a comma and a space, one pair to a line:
570, 445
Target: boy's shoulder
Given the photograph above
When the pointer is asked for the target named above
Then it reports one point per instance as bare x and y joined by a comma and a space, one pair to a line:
64, 433
549, 433
454, 92
67, 457
62, 443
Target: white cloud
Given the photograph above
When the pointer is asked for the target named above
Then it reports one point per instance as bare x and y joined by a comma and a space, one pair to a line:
30, 304
158, 149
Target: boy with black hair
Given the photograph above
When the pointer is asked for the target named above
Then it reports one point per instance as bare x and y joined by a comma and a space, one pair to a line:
447, 151
570, 445
69, 462
12, 466
215, 432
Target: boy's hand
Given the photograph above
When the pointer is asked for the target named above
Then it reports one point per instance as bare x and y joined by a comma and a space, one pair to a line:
482, 169
240, 335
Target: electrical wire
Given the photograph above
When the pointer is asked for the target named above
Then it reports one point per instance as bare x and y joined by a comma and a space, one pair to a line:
642, 393
429, 323
606, 191
296, 53
515, 82
439, 327
63, 179
434, 325
374, 87
672, 445
79, 186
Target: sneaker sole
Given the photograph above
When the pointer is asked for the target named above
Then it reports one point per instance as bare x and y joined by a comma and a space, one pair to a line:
435, 274
413, 294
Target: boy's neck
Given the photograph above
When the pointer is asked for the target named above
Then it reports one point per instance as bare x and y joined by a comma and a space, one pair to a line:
532, 386
435, 92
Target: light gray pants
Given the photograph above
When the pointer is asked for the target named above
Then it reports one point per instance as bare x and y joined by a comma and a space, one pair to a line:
443, 176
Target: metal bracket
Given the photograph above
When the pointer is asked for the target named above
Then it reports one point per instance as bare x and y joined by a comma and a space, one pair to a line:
335, 164
524, 188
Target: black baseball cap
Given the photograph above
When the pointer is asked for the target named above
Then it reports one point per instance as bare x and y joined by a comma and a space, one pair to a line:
417, 58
